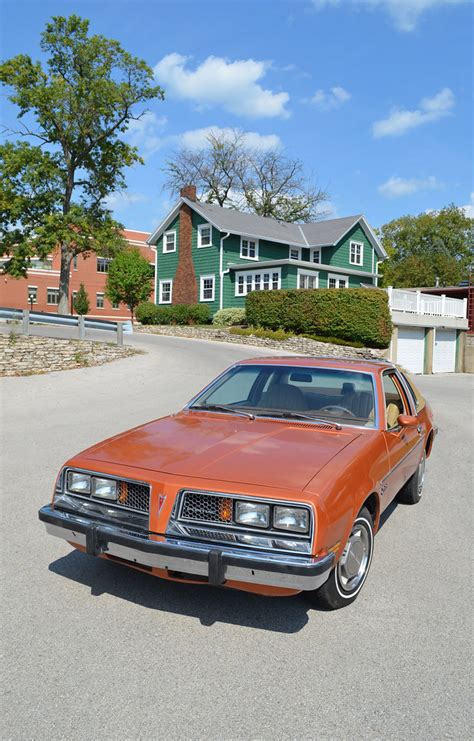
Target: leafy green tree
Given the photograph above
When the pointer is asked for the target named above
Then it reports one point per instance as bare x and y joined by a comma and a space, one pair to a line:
129, 279
432, 246
81, 302
75, 109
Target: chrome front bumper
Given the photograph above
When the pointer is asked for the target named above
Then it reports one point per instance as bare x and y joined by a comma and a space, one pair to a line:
217, 564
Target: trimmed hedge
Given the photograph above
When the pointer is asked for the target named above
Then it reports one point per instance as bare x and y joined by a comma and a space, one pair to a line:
227, 317
351, 314
150, 313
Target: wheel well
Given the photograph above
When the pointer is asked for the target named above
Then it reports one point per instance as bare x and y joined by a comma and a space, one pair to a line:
372, 504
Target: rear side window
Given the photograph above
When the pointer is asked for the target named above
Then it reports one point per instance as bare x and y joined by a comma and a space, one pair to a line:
417, 396
394, 405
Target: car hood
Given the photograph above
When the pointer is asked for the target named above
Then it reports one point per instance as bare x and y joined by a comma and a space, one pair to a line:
265, 452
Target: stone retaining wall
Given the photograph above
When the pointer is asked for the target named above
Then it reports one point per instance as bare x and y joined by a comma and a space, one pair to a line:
21, 355
298, 345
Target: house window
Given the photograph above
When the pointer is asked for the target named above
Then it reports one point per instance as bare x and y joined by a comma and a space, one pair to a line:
295, 253
166, 291
307, 279
52, 296
74, 262
255, 280
204, 235
338, 281
99, 300
249, 249
316, 256
74, 296
115, 305
33, 294
356, 253
103, 264
207, 288
169, 241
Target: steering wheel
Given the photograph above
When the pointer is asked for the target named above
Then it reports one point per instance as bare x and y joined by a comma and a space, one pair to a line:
336, 408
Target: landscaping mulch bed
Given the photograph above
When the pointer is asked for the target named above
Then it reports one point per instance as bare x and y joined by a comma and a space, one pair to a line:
21, 355
298, 345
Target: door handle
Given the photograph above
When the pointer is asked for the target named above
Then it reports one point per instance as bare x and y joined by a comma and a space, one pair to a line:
419, 429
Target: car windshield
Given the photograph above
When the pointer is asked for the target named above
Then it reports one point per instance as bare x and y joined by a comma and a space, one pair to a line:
332, 394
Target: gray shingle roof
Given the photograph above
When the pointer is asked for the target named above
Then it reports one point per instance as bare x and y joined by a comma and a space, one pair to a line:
329, 231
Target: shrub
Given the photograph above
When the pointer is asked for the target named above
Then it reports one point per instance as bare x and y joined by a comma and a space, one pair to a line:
150, 313
228, 317
351, 314
81, 302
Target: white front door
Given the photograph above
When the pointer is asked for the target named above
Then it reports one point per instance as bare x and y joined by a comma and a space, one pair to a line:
444, 353
411, 348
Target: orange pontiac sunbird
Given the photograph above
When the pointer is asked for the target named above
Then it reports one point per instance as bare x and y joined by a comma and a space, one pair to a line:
271, 480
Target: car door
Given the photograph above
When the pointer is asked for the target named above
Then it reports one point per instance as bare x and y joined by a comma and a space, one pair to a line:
403, 443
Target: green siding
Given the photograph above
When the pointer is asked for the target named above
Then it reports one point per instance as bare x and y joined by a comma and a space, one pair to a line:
339, 255
206, 260
266, 251
166, 262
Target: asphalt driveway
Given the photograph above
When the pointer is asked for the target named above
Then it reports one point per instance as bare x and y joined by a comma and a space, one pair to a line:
93, 650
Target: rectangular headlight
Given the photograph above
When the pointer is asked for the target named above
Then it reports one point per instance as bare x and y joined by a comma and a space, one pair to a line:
253, 514
295, 519
79, 483
104, 488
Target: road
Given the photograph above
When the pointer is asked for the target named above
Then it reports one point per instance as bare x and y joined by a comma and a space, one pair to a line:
93, 650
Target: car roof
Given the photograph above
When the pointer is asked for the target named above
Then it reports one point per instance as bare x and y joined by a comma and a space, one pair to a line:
371, 365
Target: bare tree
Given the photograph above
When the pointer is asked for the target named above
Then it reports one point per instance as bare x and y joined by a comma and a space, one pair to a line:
229, 172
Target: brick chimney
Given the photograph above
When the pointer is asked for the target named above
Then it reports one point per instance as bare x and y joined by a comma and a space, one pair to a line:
185, 290
189, 192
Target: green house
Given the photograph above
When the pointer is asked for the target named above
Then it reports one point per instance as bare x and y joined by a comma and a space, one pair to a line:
213, 255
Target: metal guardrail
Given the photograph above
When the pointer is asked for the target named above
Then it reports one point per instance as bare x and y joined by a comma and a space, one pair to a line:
82, 323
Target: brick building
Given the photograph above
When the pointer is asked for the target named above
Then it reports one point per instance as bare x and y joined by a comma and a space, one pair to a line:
40, 289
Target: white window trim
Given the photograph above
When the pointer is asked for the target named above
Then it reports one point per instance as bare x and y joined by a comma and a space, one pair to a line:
253, 273
200, 228
298, 250
170, 281
173, 232
201, 289
100, 293
361, 245
249, 239
337, 277
318, 250
311, 273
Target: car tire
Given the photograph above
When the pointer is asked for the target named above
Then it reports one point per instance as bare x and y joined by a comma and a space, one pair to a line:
348, 576
413, 489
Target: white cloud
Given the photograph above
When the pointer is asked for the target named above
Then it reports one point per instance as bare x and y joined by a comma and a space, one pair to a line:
395, 187
216, 81
405, 14
144, 133
469, 207
198, 138
429, 109
123, 199
333, 98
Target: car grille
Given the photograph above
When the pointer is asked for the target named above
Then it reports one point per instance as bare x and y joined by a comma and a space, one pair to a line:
197, 532
134, 495
206, 508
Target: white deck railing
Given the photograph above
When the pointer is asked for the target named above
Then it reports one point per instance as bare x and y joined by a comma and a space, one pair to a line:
415, 302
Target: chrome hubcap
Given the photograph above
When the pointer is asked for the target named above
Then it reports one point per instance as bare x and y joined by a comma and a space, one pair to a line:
421, 475
353, 563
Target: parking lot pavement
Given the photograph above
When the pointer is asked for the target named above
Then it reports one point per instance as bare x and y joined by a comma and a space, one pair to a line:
93, 650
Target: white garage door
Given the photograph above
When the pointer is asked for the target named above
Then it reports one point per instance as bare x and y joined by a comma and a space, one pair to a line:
444, 353
411, 348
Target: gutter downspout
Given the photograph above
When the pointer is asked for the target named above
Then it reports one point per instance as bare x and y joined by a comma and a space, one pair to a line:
221, 271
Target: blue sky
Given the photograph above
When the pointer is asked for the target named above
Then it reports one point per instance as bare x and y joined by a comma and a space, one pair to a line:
375, 96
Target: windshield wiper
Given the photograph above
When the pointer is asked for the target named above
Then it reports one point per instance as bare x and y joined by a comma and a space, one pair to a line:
223, 408
301, 415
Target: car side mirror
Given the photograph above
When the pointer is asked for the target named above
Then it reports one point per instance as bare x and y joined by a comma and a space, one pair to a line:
407, 420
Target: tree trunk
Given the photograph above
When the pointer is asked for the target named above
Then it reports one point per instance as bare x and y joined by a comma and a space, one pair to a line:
63, 307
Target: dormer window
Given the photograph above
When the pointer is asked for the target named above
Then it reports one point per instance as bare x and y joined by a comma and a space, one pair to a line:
204, 235
169, 241
295, 253
249, 248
